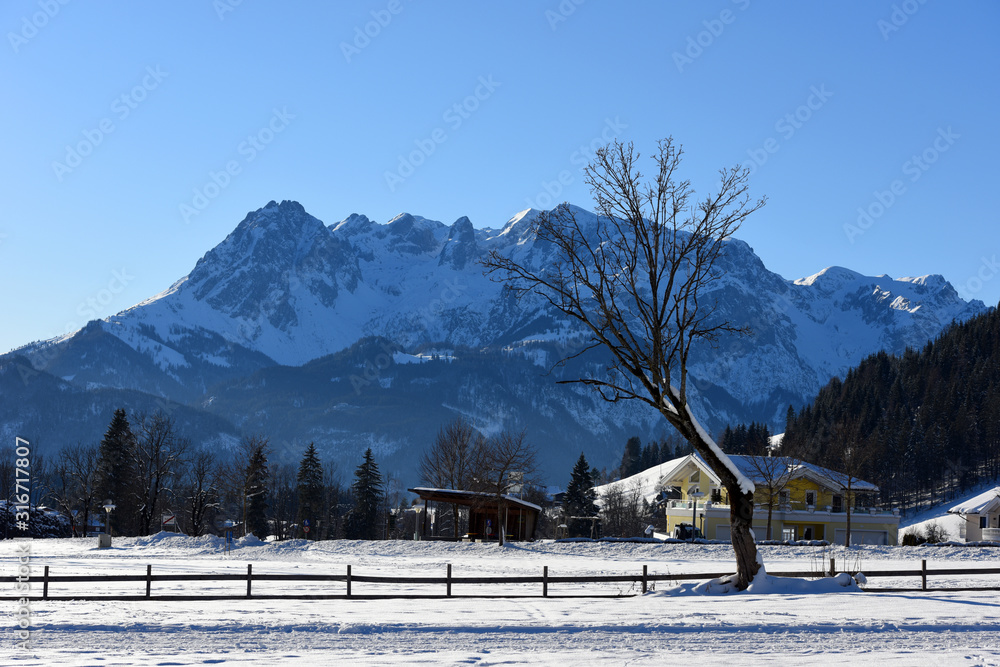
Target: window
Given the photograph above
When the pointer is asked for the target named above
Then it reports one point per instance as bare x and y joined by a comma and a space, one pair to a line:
838, 503
811, 498
716, 495
983, 521
783, 496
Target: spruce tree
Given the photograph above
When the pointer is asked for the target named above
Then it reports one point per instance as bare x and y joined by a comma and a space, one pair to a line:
255, 488
309, 487
363, 522
114, 469
632, 457
579, 499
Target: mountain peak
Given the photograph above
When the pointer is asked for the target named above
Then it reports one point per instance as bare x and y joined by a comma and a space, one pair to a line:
830, 277
461, 246
278, 256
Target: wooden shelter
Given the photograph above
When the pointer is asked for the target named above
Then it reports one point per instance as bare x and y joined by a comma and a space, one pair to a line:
485, 510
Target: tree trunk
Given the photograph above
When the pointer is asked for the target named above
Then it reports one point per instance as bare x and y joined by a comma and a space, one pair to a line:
502, 537
847, 537
741, 533
770, 511
740, 503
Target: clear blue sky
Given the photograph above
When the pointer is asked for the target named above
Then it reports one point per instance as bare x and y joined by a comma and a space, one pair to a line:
183, 87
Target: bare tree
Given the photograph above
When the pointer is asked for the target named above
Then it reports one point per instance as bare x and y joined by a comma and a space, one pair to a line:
502, 462
448, 464
333, 496
637, 283
773, 472
157, 457
851, 456
200, 490
283, 502
75, 485
623, 510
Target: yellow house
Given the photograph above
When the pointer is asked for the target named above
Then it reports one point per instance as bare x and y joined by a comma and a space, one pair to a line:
806, 501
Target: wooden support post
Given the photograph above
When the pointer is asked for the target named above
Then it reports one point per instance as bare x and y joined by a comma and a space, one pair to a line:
149, 578
423, 531
923, 575
545, 581
449, 579
249, 577
645, 573
833, 567
45, 583
348, 581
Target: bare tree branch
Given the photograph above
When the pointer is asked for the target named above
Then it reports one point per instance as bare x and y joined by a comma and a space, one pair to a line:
638, 281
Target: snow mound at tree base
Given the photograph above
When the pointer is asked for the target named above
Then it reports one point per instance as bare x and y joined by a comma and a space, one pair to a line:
765, 584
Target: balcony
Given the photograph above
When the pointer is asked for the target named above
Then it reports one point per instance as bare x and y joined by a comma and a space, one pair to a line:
795, 511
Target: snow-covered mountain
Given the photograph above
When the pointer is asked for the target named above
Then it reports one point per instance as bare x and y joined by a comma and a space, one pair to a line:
283, 289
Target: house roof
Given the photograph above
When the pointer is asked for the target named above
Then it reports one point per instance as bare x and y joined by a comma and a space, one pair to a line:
648, 480
988, 501
751, 466
654, 480
458, 497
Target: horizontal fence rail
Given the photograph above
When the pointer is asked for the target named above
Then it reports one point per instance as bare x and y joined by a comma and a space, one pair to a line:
349, 579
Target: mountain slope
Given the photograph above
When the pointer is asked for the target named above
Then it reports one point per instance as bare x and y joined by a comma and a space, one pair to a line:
285, 289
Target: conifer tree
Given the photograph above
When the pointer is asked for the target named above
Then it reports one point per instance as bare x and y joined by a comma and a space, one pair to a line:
113, 477
363, 521
632, 457
309, 487
256, 477
579, 499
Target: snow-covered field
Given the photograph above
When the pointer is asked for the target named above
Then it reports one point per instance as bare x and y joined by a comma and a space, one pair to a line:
937, 627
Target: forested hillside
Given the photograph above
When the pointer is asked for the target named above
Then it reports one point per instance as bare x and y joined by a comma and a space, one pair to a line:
922, 425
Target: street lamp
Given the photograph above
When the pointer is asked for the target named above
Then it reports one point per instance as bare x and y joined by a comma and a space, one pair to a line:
104, 540
108, 506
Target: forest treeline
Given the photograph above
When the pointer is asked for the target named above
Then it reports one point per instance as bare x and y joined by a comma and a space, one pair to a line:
923, 425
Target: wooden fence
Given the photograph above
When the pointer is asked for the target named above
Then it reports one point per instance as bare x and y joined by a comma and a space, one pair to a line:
350, 580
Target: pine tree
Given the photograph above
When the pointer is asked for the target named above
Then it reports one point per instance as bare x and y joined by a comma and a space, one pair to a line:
632, 458
309, 488
579, 499
113, 477
256, 478
364, 520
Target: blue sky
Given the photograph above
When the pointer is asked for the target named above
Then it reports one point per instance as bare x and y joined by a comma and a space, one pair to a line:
137, 136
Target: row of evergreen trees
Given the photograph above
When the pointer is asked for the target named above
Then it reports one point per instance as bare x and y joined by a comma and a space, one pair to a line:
637, 458
147, 469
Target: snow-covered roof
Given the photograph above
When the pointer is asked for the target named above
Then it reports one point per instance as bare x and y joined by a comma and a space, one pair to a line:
459, 496
648, 480
651, 481
751, 466
985, 502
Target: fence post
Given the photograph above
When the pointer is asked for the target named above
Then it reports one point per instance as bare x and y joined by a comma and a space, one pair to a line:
645, 572
449, 579
545, 581
149, 578
348, 581
45, 583
833, 567
923, 574
249, 577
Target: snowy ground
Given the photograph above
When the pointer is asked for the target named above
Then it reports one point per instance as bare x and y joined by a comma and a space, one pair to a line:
936, 627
